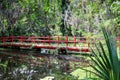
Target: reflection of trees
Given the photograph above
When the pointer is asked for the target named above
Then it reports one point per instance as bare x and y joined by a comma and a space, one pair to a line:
30, 67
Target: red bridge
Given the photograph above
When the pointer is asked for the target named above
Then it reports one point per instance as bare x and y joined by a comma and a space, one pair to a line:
79, 44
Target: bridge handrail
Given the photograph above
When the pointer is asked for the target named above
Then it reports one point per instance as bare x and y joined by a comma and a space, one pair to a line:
49, 39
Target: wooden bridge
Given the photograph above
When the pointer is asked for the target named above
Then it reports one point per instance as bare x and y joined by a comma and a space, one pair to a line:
62, 43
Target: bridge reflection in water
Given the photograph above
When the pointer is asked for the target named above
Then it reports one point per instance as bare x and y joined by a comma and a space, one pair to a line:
50, 60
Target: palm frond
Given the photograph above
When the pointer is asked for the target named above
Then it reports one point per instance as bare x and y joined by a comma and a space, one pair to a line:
106, 62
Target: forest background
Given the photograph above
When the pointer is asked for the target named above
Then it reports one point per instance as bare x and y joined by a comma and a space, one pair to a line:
58, 17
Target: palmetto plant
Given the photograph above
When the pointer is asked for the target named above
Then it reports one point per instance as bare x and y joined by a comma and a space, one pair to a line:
106, 63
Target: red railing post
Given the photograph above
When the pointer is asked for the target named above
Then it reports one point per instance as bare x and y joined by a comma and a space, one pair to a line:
66, 40
49, 40
12, 37
21, 39
34, 39
74, 41
58, 40
44, 39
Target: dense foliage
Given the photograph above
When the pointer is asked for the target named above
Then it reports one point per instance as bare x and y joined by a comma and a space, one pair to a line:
58, 17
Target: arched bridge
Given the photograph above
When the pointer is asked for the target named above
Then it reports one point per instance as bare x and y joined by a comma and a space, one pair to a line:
79, 44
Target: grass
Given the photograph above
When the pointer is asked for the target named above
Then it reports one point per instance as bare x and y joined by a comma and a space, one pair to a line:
81, 74
84, 75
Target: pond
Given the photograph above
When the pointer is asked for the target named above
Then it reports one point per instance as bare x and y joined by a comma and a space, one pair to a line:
35, 65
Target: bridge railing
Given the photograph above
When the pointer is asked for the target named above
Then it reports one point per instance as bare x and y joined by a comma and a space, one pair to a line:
50, 40
67, 40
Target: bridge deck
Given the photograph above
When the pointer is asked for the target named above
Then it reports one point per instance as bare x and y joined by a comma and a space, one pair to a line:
53, 46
